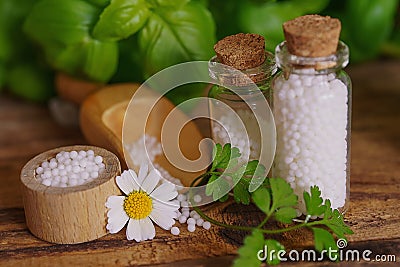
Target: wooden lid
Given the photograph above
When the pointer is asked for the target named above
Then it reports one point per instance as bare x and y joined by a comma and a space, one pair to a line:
312, 35
241, 51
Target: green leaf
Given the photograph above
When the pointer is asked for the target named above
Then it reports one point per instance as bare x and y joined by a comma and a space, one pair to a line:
246, 170
224, 198
217, 150
175, 35
253, 243
262, 198
285, 215
97, 60
244, 176
63, 28
323, 240
55, 24
121, 19
282, 194
272, 244
241, 194
313, 201
259, 176
334, 220
224, 157
218, 187
211, 185
101, 60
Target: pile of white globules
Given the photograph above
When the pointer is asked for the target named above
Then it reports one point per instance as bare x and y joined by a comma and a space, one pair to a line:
311, 121
240, 132
70, 169
145, 150
190, 217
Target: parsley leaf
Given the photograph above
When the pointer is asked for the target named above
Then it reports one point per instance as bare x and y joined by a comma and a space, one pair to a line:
323, 240
274, 248
334, 220
218, 187
242, 179
282, 194
248, 252
259, 176
285, 214
224, 157
313, 201
240, 192
262, 199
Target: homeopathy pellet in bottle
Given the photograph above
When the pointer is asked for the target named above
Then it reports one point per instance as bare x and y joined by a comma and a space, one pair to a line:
239, 101
312, 109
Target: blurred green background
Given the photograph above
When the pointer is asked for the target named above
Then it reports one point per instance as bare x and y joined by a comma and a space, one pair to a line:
112, 41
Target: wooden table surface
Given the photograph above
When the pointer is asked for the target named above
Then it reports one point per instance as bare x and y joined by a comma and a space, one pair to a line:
27, 129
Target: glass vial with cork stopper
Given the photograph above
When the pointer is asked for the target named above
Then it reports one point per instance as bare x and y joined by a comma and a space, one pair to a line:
312, 109
243, 70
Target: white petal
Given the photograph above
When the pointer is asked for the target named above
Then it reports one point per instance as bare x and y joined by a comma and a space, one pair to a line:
126, 182
133, 231
151, 181
115, 201
147, 227
165, 205
116, 222
162, 219
143, 171
166, 191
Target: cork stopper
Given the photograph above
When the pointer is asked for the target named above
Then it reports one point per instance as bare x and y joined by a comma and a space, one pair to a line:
241, 51
312, 35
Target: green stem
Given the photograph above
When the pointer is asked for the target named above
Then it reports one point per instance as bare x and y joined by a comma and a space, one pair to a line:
264, 221
249, 228
198, 178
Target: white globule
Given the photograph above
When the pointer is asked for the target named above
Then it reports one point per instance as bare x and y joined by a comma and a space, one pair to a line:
70, 169
311, 122
175, 230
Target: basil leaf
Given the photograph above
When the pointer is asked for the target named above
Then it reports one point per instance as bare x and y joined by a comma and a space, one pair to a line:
62, 28
121, 19
58, 23
172, 36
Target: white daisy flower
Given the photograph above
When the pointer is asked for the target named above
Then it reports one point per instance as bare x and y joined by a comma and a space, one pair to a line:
144, 203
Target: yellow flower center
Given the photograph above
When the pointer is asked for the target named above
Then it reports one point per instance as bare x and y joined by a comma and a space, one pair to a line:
138, 205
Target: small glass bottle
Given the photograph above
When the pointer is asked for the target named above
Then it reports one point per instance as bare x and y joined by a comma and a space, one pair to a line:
312, 111
248, 119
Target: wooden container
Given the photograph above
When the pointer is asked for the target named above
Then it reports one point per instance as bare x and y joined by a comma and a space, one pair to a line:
69, 215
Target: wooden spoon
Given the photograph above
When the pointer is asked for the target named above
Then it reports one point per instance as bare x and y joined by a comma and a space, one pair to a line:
102, 116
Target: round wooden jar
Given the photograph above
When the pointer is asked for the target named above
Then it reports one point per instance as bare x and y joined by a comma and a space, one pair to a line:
69, 215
